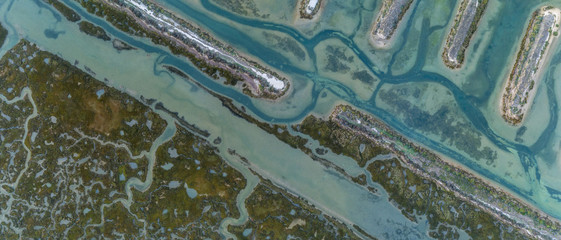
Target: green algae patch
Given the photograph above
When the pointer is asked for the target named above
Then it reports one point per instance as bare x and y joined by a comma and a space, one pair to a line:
340, 141
93, 30
446, 122
276, 214
246, 8
67, 12
444, 211
3, 34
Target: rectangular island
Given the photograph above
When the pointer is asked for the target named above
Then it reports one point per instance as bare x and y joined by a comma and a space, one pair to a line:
387, 21
465, 25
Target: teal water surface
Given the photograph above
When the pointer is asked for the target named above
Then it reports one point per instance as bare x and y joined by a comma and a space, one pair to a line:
526, 165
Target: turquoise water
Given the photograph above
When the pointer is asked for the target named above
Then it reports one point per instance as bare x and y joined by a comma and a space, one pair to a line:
526, 165
517, 165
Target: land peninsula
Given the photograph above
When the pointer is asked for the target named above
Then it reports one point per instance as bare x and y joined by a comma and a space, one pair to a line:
521, 85
464, 27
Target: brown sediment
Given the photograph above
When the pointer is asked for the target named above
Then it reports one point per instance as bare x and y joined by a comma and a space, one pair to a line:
105, 119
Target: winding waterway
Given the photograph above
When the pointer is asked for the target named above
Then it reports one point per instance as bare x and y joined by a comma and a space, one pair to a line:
140, 73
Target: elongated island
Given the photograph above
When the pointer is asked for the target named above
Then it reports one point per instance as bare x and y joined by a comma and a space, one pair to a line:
145, 18
522, 82
459, 37
387, 21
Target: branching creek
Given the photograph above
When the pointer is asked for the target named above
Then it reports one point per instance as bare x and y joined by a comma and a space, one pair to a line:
470, 105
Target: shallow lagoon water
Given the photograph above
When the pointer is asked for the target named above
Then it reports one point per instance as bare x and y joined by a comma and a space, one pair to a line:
201, 108
536, 159
510, 27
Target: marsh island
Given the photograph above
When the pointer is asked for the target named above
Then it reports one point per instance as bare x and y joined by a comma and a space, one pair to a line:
533, 55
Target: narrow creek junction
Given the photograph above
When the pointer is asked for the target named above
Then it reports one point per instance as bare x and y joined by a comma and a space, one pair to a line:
260, 119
